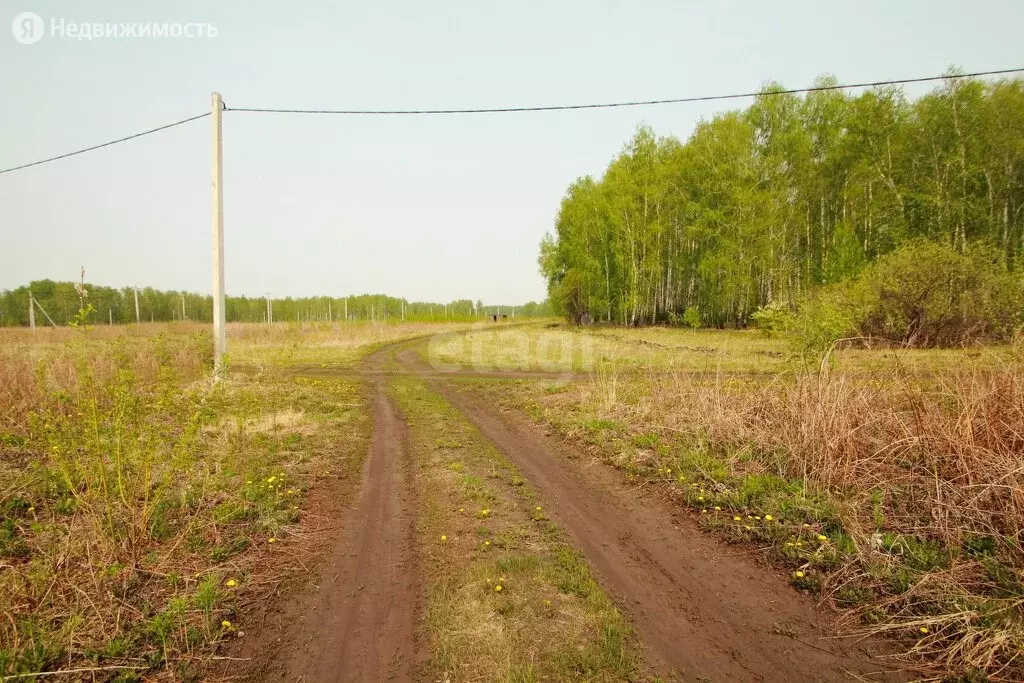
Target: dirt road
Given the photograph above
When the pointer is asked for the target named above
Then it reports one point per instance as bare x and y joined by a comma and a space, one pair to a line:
703, 611
360, 625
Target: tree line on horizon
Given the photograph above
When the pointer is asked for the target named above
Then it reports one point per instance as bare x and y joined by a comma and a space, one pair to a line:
61, 301
765, 205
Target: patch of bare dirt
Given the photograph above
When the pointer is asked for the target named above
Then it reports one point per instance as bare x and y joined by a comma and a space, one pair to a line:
357, 622
361, 624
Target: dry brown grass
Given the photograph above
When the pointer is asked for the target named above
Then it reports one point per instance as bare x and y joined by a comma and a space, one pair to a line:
950, 444
320, 343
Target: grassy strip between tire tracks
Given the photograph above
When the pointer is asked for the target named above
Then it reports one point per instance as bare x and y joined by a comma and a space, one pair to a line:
508, 598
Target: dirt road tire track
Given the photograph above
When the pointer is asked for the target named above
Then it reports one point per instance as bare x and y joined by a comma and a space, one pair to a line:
361, 624
702, 611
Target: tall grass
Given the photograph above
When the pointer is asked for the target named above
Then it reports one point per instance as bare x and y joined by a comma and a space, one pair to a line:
132, 487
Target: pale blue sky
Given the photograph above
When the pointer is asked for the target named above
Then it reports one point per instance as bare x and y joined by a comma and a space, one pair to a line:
426, 208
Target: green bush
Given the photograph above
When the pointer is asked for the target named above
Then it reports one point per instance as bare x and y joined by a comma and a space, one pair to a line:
774, 318
924, 294
928, 294
689, 318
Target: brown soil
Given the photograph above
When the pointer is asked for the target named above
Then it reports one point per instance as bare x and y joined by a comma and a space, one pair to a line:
702, 610
358, 624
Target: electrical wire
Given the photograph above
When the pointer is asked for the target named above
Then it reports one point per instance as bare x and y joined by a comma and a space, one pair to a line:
105, 144
611, 105
507, 110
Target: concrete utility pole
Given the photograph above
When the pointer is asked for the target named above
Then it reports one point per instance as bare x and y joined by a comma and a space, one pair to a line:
346, 309
31, 312
136, 293
220, 340
330, 313
270, 311
110, 313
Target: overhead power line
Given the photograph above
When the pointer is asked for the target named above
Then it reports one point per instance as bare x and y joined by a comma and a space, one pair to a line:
611, 105
105, 144
508, 110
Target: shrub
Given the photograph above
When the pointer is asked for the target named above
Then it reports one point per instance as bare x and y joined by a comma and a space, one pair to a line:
690, 318
928, 294
774, 318
924, 294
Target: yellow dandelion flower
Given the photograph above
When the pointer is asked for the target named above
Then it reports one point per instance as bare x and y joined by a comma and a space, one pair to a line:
758, 517
462, 509
768, 518
271, 480
704, 511
443, 538
789, 544
498, 588
822, 537
271, 540
32, 509
700, 498
718, 508
225, 624
487, 543
291, 491
798, 575
736, 519
230, 583
923, 629
807, 526
799, 543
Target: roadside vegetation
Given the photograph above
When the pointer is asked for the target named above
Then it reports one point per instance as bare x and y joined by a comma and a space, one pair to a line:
508, 598
889, 483
148, 513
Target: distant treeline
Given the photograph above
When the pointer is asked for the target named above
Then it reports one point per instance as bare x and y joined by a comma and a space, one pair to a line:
763, 206
60, 300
